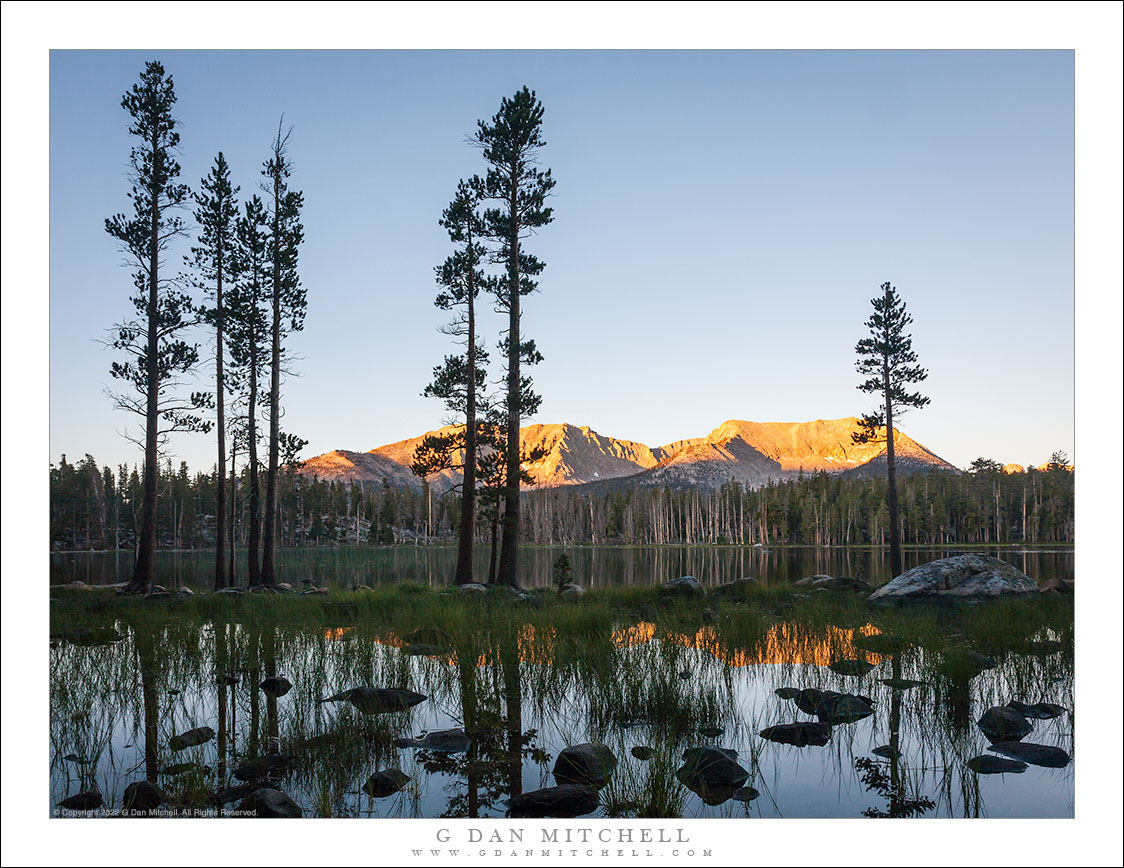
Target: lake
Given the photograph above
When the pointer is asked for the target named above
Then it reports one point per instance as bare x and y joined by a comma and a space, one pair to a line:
525, 682
594, 566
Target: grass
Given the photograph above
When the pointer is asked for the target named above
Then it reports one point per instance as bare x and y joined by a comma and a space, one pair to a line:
556, 671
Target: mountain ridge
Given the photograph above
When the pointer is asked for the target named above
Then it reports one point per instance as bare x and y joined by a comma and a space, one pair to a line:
752, 453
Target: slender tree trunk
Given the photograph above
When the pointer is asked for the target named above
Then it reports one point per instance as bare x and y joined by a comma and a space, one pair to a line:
146, 548
495, 534
468, 500
269, 532
233, 510
892, 481
509, 554
220, 423
253, 545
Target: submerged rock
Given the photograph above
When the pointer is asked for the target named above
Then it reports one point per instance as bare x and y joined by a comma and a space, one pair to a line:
1035, 754
887, 751
567, 800
199, 735
89, 800
443, 741
1001, 723
962, 577
798, 734
993, 765
142, 796
710, 732
386, 782
851, 667
270, 802
263, 766
643, 752
713, 773
809, 699
589, 764
744, 794
901, 683
787, 692
1038, 711
276, 685
963, 664
847, 708
378, 700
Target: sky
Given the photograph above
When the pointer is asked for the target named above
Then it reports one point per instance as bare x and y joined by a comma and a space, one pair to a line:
722, 220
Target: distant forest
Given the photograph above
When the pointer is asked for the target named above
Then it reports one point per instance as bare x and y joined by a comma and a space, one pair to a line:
98, 508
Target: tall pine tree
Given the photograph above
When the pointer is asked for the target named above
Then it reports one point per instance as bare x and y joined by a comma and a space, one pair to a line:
288, 302
213, 262
888, 362
510, 144
156, 353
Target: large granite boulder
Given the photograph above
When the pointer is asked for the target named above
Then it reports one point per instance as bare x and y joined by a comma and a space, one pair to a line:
967, 578
588, 764
1002, 723
685, 585
386, 782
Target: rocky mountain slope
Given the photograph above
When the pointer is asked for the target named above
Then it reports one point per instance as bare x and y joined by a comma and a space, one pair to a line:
749, 452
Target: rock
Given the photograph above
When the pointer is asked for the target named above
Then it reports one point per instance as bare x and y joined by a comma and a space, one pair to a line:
643, 752
199, 735
798, 734
807, 581
712, 773
962, 664
567, 800
472, 589
738, 588
142, 796
378, 700
744, 794
851, 667
993, 765
847, 708
270, 802
886, 751
589, 764
263, 766
420, 650
230, 591
284, 586
1056, 586
1001, 723
808, 699
233, 794
276, 685
787, 692
180, 768
385, 783
962, 577
901, 683
831, 583
185, 592
90, 800
710, 732
443, 741
571, 592
1038, 711
1035, 754
685, 585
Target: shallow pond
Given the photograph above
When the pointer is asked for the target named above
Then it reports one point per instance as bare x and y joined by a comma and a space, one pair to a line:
123, 687
596, 566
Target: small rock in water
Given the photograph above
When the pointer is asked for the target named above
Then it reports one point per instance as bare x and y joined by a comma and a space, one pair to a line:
591, 765
901, 683
276, 685
1000, 723
270, 802
643, 752
86, 801
993, 765
710, 732
443, 741
174, 692
379, 700
798, 734
851, 667
74, 758
199, 735
808, 699
1035, 754
385, 783
142, 796
179, 769
567, 800
963, 664
1038, 711
744, 794
419, 649
787, 692
712, 773
262, 766
887, 751
847, 708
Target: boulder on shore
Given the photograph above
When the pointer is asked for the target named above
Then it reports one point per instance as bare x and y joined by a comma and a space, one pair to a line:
685, 585
965, 578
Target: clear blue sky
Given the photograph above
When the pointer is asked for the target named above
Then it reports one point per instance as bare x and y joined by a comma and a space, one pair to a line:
722, 220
